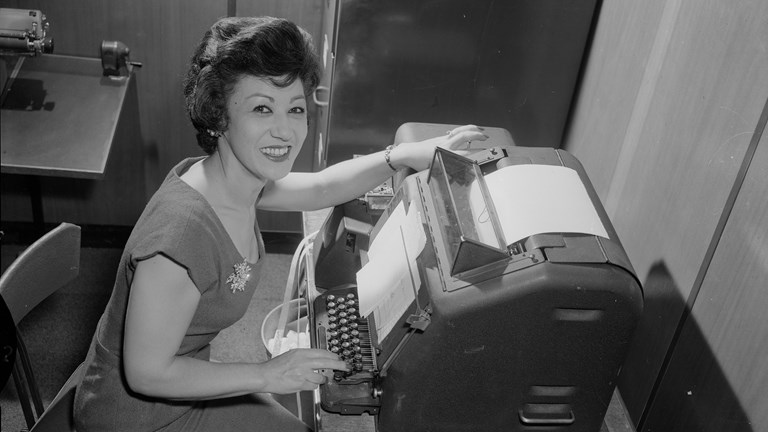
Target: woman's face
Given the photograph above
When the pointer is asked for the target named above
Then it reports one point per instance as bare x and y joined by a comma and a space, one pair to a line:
267, 126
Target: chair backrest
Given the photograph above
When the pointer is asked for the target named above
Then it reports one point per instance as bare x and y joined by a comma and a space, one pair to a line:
44, 267
58, 416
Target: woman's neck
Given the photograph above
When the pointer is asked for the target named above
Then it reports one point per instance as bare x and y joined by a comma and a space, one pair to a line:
224, 184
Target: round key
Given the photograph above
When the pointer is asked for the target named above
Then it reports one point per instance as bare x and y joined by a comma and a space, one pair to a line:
344, 336
333, 333
355, 341
332, 318
344, 329
342, 306
343, 321
334, 349
333, 342
351, 310
354, 333
332, 325
351, 317
331, 304
350, 295
330, 298
353, 325
332, 311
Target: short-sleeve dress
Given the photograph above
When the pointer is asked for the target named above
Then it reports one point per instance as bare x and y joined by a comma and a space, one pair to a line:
180, 224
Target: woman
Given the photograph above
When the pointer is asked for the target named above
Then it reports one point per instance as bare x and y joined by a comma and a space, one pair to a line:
192, 262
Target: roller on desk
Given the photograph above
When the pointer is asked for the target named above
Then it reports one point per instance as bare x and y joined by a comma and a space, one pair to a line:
526, 334
24, 32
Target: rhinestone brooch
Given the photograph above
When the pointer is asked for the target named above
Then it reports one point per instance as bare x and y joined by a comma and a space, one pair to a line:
239, 277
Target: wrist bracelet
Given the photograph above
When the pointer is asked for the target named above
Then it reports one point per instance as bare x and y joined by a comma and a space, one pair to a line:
386, 157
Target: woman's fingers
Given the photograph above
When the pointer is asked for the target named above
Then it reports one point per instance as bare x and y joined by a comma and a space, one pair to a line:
316, 378
464, 128
463, 140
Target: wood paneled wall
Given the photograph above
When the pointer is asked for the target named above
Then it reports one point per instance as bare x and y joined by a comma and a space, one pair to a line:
670, 100
162, 35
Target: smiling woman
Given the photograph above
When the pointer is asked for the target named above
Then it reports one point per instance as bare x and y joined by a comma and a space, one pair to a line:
193, 260
267, 127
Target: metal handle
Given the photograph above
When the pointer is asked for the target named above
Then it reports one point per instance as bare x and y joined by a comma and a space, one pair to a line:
314, 95
537, 418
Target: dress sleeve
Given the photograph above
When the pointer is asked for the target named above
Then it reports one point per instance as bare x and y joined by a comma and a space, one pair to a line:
187, 239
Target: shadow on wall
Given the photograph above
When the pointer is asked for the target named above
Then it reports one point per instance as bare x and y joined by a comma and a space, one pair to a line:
671, 380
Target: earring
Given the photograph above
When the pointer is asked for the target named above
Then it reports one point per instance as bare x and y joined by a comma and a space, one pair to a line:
212, 133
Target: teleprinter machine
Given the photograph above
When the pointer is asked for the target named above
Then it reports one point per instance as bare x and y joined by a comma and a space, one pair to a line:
24, 32
490, 294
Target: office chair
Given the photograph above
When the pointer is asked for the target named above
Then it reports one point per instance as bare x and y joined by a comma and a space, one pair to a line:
41, 269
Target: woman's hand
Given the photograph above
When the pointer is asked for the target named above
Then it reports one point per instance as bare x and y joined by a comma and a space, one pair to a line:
297, 370
418, 155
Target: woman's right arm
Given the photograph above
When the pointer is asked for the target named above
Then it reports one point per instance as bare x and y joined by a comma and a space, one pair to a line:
161, 305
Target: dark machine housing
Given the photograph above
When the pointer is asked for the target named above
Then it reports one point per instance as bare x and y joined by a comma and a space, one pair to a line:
527, 337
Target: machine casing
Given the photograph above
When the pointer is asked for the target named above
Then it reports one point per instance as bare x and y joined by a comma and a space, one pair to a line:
530, 342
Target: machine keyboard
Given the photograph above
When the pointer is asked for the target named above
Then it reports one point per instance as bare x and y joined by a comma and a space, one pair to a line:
341, 330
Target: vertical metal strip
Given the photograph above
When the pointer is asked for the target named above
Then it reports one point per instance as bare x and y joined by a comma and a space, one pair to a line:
707, 261
231, 8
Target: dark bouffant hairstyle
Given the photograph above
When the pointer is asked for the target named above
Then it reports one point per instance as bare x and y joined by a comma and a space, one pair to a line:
265, 47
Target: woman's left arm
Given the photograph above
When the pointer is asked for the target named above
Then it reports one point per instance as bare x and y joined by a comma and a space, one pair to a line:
352, 178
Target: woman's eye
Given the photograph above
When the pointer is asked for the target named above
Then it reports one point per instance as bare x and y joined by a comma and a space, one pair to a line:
298, 110
262, 109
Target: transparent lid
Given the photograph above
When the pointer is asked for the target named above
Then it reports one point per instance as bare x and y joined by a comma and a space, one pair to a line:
462, 200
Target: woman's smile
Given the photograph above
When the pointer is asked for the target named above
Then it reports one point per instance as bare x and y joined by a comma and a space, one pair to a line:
276, 153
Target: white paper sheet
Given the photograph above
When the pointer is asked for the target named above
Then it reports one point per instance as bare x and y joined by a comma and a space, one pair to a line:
386, 282
534, 199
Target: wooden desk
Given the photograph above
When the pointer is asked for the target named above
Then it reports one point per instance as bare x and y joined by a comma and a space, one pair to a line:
330, 422
59, 117
62, 118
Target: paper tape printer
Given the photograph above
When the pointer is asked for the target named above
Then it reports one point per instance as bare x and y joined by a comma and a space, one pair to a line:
491, 293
